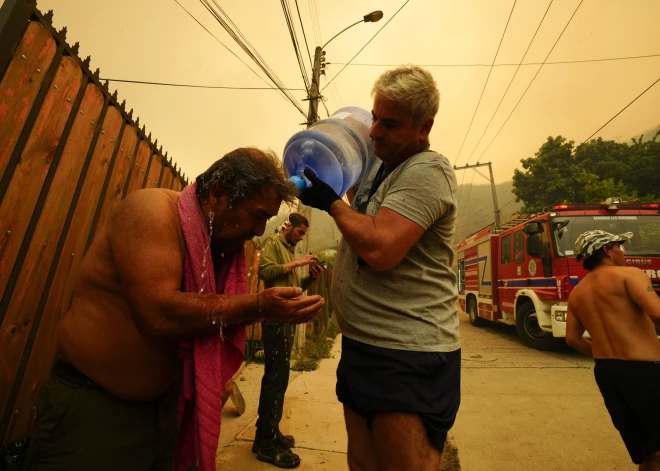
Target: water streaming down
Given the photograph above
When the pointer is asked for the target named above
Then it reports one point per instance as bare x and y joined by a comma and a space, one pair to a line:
212, 315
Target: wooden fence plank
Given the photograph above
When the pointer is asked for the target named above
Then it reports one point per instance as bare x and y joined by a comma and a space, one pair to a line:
34, 272
119, 172
20, 86
24, 188
166, 179
155, 169
59, 295
176, 186
139, 169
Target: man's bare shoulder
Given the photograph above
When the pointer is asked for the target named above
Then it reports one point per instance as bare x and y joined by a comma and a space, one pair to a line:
149, 201
149, 210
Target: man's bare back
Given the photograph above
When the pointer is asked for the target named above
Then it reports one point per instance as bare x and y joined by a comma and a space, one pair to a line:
128, 312
99, 336
618, 307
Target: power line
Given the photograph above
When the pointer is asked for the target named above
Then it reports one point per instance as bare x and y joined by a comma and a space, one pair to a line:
622, 110
372, 38
510, 83
503, 64
294, 39
282, 94
230, 27
533, 78
484, 217
474, 173
302, 27
186, 85
486, 83
316, 24
222, 44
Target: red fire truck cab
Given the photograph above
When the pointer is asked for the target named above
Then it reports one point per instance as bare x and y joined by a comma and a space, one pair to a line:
522, 271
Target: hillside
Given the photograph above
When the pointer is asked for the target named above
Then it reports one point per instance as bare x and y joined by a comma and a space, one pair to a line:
475, 207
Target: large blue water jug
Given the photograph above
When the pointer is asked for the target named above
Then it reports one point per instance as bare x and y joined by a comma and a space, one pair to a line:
338, 149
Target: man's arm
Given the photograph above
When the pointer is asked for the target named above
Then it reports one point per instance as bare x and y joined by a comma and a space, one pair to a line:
574, 334
271, 266
314, 273
641, 291
148, 258
381, 241
419, 196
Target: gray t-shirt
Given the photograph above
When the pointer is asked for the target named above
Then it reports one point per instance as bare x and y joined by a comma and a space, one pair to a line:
413, 305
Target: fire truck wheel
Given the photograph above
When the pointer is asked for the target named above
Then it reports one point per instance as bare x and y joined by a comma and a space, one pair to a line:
530, 331
475, 320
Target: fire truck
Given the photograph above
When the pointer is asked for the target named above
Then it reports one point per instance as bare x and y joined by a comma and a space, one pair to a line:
522, 271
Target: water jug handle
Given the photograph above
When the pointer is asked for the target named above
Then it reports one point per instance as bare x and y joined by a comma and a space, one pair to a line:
300, 182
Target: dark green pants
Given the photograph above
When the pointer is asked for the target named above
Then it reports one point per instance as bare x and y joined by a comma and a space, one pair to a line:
278, 342
82, 427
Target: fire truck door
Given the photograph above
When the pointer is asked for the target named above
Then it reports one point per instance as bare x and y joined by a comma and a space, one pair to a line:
485, 281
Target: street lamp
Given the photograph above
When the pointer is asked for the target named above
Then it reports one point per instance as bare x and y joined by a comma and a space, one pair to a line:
312, 115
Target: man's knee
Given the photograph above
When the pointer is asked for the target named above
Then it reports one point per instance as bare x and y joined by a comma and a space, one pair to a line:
358, 460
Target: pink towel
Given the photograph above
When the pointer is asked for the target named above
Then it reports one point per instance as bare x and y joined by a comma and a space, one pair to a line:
208, 361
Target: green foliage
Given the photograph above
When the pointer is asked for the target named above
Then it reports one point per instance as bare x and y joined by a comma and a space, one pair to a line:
560, 172
325, 257
305, 364
315, 349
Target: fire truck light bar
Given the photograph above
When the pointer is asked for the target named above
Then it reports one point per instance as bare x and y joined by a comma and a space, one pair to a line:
585, 206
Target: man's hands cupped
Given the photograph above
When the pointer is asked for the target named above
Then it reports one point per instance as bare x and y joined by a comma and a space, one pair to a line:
288, 306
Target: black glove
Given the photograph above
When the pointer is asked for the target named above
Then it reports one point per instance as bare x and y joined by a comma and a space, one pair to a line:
319, 195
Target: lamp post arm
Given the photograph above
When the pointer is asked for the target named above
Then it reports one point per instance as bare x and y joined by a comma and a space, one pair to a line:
356, 23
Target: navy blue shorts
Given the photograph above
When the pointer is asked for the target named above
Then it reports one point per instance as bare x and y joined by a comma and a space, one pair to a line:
372, 379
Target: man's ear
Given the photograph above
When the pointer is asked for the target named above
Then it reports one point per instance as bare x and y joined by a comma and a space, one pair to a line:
426, 127
218, 198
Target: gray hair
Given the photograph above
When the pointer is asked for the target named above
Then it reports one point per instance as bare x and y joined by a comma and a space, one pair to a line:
413, 87
245, 172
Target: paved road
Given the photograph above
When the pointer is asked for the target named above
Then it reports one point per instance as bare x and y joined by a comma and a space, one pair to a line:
528, 410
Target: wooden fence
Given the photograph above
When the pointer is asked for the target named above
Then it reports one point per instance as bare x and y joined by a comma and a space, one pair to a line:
69, 152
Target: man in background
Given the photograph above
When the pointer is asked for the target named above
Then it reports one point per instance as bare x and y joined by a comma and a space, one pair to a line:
277, 267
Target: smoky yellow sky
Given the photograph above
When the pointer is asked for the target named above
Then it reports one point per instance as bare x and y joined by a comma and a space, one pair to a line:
155, 40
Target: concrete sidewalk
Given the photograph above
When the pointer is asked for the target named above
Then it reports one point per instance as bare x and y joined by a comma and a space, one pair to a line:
312, 414
520, 409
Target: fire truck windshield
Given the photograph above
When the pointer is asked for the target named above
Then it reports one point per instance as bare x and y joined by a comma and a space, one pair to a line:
646, 230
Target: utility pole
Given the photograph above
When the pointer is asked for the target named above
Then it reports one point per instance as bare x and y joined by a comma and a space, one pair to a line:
312, 117
496, 206
314, 93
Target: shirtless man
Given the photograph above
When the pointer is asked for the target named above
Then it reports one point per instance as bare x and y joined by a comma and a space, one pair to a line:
619, 308
111, 401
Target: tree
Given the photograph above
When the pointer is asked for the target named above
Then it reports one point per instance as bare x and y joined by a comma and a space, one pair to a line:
588, 173
549, 176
